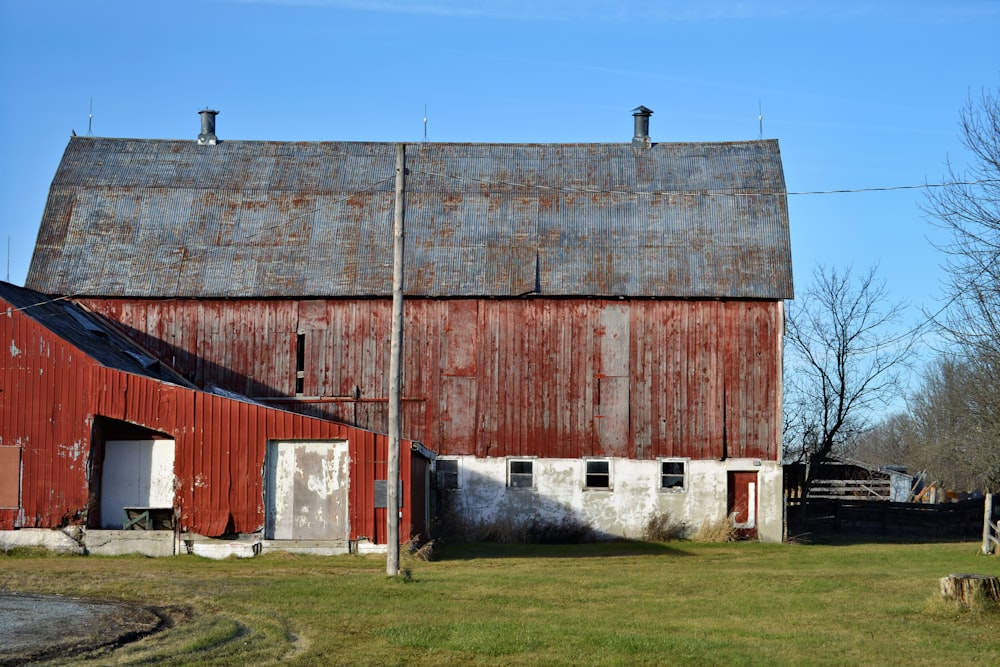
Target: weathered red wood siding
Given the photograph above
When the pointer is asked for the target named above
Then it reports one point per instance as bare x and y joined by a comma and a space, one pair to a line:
51, 392
498, 377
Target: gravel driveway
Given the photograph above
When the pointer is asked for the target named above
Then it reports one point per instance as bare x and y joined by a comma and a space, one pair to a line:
37, 627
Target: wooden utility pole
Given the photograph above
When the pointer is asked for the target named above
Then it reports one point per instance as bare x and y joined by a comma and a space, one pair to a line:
395, 373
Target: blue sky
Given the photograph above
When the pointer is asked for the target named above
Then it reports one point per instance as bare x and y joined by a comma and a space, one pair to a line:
859, 94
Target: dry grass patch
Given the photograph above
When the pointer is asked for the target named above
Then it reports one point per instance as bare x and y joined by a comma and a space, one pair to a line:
662, 528
719, 530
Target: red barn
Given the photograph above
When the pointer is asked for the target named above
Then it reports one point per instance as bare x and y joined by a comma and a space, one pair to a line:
95, 434
593, 332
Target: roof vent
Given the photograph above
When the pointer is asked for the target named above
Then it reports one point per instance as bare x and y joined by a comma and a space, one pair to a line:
641, 115
207, 136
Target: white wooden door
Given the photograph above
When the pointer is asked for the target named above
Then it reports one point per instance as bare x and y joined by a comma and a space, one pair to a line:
306, 487
136, 473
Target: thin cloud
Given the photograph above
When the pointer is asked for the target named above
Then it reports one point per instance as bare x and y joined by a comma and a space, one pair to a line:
626, 11
578, 10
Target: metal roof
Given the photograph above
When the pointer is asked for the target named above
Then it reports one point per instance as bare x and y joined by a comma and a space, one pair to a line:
166, 218
88, 332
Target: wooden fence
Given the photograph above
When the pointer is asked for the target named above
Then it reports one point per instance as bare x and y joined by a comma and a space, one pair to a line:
869, 518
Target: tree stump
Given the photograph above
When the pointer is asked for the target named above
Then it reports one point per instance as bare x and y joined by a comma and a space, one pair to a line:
969, 589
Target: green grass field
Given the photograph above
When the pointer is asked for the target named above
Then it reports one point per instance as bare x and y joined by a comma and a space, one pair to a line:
599, 604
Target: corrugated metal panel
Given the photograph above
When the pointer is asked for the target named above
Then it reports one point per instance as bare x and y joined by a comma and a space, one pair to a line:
559, 378
86, 331
160, 218
52, 393
37, 414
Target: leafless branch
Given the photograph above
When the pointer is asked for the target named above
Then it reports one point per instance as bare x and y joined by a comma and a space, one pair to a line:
844, 360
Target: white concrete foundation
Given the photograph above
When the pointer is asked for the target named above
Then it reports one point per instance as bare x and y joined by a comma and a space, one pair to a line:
559, 494
77, 540
306, 547
80, 541
62, 541
122, 542
222, 549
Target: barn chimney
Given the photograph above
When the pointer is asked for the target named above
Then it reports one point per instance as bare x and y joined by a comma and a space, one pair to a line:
641, 115
207, 136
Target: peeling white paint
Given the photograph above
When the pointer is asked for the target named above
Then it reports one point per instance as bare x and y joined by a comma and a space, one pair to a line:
75, 451
326, 481
14, 351
306, 490
559, 495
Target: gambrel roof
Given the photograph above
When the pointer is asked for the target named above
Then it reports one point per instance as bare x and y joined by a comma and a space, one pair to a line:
166, 218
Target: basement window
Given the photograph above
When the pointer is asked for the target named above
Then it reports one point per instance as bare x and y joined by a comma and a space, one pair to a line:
673, 475
447, 473
520, 473
598, 473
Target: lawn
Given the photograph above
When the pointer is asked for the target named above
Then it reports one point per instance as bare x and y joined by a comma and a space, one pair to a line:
598, 604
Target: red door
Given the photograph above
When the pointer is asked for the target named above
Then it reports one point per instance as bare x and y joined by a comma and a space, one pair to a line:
742, 503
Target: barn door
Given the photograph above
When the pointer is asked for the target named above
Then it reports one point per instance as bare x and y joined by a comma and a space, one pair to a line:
306, 485
742, 502
135, 473
611, 386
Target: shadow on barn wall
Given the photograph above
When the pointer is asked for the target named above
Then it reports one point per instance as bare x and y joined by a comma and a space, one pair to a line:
369, 413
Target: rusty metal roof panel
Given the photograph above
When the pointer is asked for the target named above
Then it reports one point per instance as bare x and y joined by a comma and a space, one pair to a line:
155, 218
88, 332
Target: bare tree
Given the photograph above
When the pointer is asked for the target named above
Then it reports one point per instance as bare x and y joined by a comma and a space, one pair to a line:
948, 431
894, 441
955, 427
968, 207
843, 363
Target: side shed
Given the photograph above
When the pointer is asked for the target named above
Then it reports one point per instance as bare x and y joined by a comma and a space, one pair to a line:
93, 428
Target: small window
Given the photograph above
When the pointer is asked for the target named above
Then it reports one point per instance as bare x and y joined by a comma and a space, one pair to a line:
520, 474
300, 363
599, 474
447, 473
673, 475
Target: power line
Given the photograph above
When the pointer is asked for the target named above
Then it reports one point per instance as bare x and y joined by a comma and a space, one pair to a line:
923, 186
703, 193
537, 186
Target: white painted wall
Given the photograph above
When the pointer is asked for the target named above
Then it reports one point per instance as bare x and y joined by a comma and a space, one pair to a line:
559, 493
136, 473
306, 489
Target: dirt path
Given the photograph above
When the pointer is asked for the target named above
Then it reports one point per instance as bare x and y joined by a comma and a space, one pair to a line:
38, 627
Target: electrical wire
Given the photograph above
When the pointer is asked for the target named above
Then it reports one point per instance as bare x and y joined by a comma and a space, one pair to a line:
537, 186
703, 193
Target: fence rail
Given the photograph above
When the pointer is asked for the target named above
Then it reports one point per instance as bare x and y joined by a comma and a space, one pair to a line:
845, 488
962, 519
